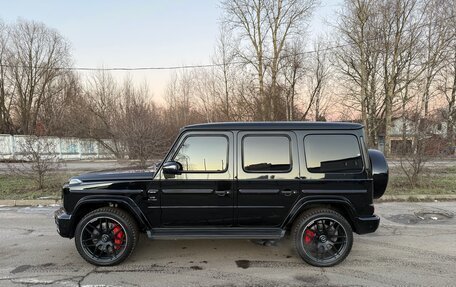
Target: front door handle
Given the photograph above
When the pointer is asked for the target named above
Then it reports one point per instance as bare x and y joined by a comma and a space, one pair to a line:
286, 192
222, 192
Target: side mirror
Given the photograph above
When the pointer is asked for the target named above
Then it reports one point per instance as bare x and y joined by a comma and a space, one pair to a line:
172, 167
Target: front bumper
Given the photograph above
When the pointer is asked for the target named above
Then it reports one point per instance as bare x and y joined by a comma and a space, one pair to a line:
63, 222
365, 225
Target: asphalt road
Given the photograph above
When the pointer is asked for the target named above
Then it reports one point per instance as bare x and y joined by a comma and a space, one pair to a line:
408, 249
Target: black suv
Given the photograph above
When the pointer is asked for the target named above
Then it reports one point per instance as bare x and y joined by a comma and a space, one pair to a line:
235, 180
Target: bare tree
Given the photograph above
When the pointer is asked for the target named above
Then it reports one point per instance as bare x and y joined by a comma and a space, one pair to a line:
124, 119
317, 81
419, 146
6, 89
61, 112
37, 57
358, 61
140, 125
246, 101
224, 57
264, 28
446, 83
382, 58
38, 157
304, 80
213, 101
249, 18
286, 20
398, 21
102, 101
447, 87
436, 38
180, 98
35, 85
293, 71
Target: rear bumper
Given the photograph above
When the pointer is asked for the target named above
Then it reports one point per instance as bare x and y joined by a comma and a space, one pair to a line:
365, 225
63, 222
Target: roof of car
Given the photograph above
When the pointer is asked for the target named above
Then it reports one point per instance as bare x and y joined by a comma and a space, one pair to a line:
275, 126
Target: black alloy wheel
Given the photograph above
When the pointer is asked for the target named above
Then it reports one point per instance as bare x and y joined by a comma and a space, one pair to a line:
106, 236
322, 237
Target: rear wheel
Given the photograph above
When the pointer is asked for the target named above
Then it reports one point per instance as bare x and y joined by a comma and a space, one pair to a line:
322, 237
106, 236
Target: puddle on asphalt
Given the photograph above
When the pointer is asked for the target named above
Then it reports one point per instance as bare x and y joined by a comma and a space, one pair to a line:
20, 269
425, 216
244, 264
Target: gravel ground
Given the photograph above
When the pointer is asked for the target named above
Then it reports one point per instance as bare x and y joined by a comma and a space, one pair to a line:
415, 245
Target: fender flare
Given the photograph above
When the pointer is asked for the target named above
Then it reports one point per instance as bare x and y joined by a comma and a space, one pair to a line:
125, 201
305, 201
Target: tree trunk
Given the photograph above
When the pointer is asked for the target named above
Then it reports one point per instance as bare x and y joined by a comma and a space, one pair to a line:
388, 120
452, 108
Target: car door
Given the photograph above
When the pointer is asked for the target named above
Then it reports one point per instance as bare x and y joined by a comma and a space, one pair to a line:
334, 166
268, 177
202, 194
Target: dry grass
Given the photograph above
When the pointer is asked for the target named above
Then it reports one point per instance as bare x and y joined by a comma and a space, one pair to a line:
24, 187
432, 181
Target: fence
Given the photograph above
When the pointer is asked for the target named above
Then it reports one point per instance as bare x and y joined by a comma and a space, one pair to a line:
12, 147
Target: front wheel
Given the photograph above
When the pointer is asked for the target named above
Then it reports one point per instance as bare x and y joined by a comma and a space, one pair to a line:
322, 237
106, 236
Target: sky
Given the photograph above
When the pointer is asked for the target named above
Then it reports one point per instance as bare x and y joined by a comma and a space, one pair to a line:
139, 33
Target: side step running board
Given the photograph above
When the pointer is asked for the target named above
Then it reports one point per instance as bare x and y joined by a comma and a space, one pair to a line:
216, 233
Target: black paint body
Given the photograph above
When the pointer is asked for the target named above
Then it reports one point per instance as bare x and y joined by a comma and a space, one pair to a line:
233, 203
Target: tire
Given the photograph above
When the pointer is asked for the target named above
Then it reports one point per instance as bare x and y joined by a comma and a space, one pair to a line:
322, 237
106, 236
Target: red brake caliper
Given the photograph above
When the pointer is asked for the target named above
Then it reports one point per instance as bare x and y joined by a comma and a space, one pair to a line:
309, 236
118, 237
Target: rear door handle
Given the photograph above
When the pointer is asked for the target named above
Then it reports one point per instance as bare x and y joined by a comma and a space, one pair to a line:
222, 192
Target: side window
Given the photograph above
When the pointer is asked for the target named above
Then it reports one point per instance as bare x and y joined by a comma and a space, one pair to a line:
266, 154
203, 154
333, 154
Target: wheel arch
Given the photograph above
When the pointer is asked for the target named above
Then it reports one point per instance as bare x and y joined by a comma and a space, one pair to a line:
339, 204
92, 202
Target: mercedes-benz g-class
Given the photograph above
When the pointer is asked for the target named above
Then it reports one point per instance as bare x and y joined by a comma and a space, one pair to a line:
255, 180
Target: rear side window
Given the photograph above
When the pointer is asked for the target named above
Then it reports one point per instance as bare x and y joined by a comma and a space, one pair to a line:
266, 154
333, 154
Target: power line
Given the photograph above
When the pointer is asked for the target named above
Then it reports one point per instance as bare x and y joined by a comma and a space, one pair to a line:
116, 68
183, 67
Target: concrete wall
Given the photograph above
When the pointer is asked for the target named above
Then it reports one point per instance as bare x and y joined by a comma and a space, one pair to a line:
12, 147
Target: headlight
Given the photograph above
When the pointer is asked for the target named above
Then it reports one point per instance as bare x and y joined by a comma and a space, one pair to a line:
75, 181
